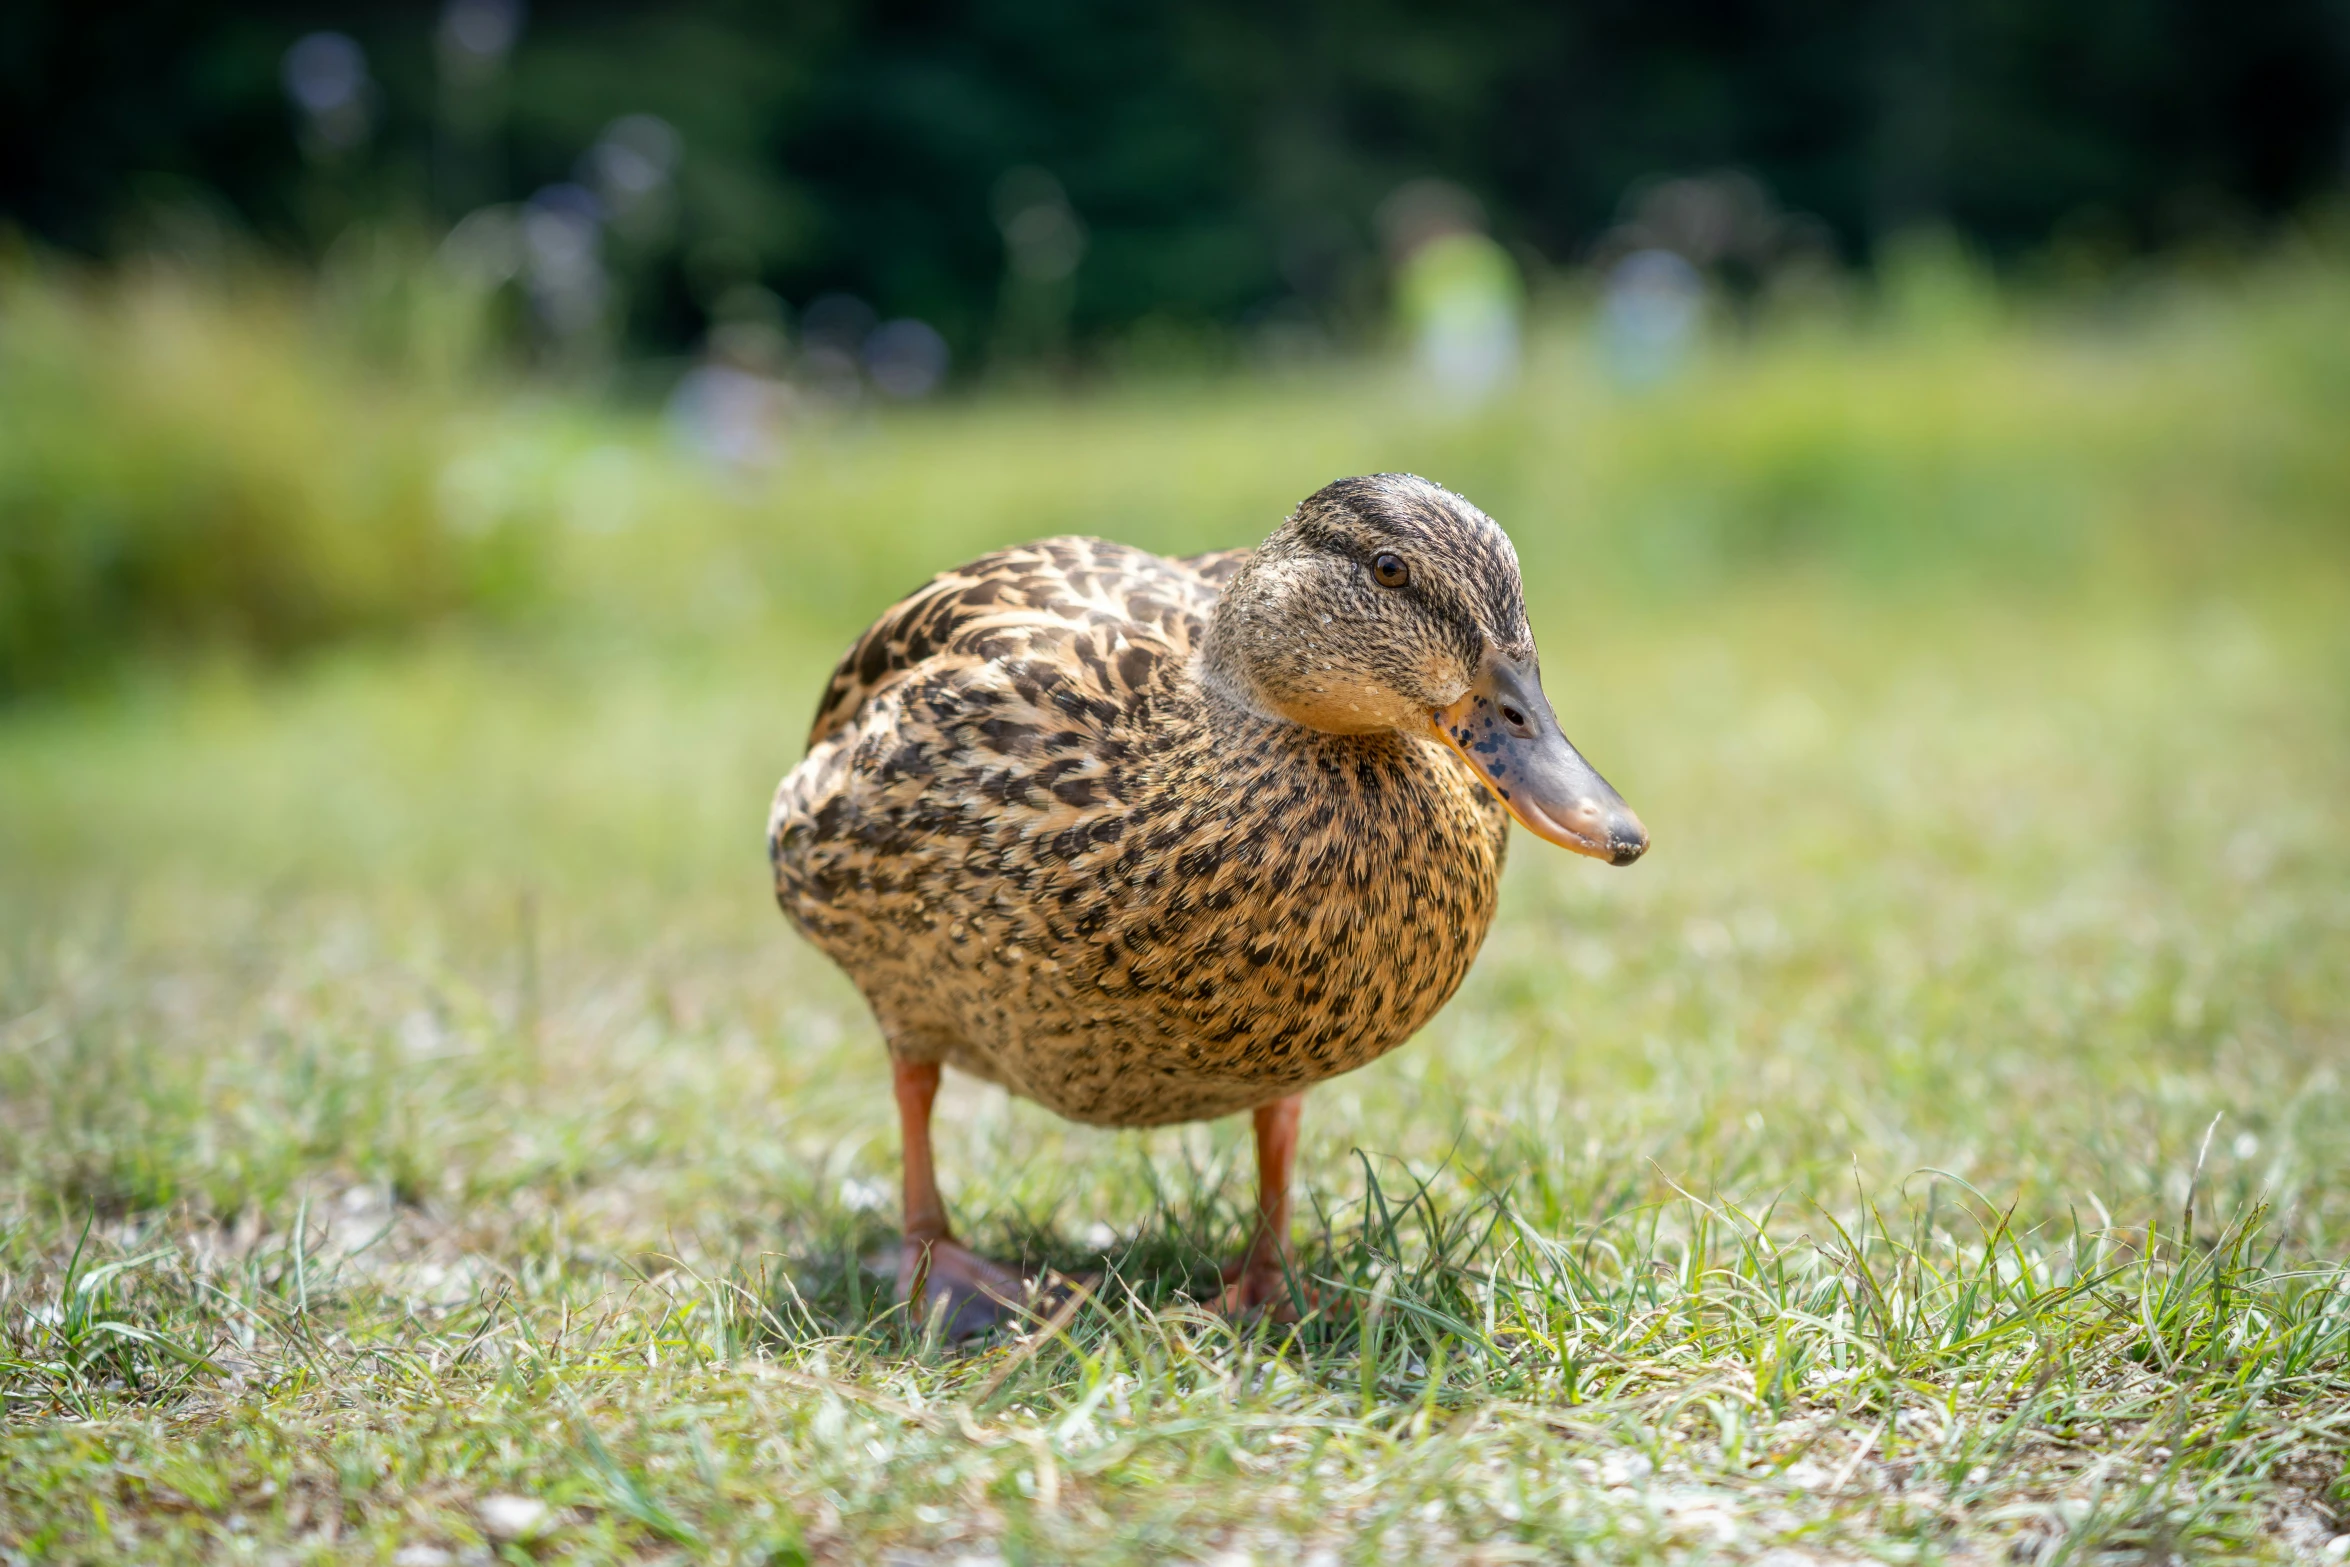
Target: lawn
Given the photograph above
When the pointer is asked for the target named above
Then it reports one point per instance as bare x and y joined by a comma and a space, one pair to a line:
421, 1139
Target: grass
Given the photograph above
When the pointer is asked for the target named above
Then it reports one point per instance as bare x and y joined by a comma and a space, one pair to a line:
1935, 1150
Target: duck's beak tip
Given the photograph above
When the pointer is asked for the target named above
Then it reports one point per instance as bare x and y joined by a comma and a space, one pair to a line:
1598, 824
1503, 727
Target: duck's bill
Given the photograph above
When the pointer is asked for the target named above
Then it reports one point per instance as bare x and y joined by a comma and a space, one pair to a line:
1504, 729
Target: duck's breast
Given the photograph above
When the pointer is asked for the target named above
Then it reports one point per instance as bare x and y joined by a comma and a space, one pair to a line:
1299, 919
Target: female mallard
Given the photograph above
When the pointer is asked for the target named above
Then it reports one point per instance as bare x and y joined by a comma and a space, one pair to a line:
1152, 840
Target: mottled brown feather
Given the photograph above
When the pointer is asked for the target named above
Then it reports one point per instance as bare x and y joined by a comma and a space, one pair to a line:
1050, 855
1064, 582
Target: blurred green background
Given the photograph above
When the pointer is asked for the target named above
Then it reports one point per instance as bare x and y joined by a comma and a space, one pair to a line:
443, 449
1224, 164
322, 323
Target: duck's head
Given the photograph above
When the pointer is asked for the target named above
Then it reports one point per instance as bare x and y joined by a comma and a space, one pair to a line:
1387, 603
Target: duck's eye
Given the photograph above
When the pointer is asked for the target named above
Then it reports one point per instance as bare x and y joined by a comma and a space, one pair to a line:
1391, 571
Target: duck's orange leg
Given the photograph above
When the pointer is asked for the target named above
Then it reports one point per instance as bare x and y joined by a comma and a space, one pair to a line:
1260, 1280
931, 1263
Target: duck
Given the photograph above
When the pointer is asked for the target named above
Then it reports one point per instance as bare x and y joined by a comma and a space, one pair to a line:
1147, 839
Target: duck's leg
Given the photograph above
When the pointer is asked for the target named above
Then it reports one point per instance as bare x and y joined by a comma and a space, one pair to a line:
978, 1293
1260, 1280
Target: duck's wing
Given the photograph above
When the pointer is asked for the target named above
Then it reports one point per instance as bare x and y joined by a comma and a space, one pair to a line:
1009, 603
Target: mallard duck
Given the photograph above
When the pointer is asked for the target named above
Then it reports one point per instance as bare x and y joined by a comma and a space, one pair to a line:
1149, 840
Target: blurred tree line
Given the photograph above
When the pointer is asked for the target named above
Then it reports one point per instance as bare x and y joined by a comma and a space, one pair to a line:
1026, 173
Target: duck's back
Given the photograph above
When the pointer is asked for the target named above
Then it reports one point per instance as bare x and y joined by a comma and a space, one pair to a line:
1030, 599
1019, 831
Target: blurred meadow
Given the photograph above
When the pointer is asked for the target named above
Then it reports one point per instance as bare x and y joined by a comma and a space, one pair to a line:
421, 1140
1935, 1147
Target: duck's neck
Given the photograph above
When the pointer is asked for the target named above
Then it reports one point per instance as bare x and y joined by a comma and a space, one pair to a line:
1255, 657
1226, 684
1221, 666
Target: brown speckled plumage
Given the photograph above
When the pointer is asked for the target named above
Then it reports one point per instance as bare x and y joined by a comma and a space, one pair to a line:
1059, 823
